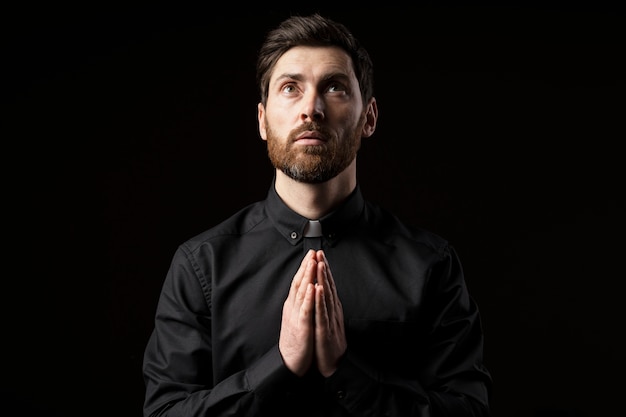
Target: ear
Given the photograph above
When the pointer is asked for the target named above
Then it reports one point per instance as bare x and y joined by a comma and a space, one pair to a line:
261, 119
371, 116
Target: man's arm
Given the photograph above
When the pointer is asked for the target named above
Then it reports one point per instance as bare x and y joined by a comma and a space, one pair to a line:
178, 359
445, 377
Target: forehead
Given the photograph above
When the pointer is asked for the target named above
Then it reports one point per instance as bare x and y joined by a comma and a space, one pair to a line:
314, 60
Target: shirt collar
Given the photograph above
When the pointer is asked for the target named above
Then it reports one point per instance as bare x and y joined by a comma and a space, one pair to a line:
291, 225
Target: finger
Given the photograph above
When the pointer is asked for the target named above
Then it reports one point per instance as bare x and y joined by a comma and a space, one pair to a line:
322, 279
328, 276
305, 281
322, 319
335, 310
299, 275
297, 279
306, 309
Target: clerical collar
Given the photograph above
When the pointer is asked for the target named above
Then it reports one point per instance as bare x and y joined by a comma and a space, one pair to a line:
313, 228
295, 227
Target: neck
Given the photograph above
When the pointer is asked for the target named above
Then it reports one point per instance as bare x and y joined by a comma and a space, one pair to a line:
313, 201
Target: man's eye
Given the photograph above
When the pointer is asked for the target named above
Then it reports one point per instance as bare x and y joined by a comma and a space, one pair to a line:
335, 87
289, 88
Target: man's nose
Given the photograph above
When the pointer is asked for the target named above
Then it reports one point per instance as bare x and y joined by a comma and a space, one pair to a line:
312, 107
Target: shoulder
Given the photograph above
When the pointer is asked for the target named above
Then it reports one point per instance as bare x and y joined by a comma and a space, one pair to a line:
237, 225
389, 227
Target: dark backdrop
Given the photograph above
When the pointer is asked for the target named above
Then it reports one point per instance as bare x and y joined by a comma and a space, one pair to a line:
129, 129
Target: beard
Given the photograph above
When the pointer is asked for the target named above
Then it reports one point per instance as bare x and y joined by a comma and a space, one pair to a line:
314, 164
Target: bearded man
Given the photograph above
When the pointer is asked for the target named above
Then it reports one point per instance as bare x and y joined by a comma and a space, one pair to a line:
315, 302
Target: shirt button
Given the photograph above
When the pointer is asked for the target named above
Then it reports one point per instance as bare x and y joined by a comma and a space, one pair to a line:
340, 395
294, 235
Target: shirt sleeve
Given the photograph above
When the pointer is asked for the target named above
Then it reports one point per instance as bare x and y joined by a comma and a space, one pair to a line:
178, 368
450, 380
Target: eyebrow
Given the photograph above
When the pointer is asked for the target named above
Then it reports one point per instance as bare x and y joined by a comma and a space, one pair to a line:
291, 76
299, 77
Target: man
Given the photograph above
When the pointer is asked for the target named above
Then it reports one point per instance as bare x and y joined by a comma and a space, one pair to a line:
315, 302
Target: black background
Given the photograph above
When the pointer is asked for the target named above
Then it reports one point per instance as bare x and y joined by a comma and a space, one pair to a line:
130, 128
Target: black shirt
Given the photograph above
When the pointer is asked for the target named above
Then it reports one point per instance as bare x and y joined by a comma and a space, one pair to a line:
414, 333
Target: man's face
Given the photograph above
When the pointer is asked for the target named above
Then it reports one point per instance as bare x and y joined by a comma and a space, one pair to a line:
314, 117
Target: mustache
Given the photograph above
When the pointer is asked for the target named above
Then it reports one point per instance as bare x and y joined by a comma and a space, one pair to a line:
309, 127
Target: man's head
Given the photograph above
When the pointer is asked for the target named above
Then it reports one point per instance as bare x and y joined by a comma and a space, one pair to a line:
316, 98
314, 30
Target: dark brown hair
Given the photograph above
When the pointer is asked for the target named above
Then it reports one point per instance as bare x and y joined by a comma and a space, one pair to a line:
313, 30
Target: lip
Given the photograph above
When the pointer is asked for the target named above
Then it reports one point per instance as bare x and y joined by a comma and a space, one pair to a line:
310, 138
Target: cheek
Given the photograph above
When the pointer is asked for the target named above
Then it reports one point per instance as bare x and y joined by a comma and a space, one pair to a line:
276, 121
280, 127
345, 116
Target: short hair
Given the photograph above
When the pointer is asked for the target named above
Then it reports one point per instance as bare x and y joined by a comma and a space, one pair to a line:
313, 30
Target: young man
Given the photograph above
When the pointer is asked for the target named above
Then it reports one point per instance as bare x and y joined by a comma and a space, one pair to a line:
315, 302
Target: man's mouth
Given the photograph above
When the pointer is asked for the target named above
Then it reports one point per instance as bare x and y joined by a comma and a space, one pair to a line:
310, 137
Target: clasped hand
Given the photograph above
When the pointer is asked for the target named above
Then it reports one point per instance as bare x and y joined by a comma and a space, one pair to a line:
312, 330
